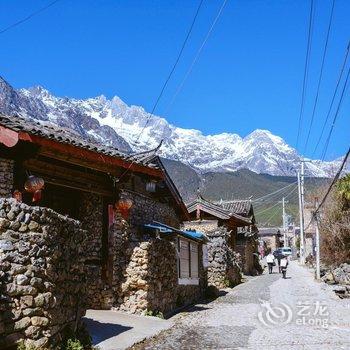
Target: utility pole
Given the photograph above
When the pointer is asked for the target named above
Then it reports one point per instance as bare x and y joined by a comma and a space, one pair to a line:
284, 223
301, 211
318, 272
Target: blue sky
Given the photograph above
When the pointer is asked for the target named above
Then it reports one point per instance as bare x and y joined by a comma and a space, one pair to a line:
249, 75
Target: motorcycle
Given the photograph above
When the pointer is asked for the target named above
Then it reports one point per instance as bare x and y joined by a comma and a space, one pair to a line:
283, 265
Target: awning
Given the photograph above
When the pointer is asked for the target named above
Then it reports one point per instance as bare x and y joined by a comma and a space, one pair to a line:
194, 235
165, 229
160, 228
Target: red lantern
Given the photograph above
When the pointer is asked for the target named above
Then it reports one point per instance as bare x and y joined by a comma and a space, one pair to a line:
34, 185
124, 205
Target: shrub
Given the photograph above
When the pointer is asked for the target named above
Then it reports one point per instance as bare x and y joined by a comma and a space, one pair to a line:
335, 225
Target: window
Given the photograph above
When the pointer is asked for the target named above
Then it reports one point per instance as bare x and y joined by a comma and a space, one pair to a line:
194, 259
184, 259
188, 262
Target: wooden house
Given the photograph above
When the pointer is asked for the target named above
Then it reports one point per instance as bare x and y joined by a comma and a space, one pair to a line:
246, 236
116, 196
237, 217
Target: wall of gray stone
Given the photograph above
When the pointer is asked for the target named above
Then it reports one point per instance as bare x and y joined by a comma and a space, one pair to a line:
224, 269
91, 217
224, 264
145, 273
6, 177
42, 275
247, 247
151, 279
145, 210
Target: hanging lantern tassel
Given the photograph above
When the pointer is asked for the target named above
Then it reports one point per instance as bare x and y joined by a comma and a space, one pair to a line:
36, 196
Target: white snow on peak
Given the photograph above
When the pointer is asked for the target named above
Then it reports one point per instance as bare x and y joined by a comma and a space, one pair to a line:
260, 151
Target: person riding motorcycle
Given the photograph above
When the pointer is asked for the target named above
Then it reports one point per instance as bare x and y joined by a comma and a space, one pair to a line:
284, 264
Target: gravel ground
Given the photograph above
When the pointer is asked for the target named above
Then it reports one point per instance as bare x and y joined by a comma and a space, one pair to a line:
232, 321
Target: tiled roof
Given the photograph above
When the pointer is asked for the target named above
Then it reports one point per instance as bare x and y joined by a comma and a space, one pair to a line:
54, 132
240, 207
214, 210
269, 231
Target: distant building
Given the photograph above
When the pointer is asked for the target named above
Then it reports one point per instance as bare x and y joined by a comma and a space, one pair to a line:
271, 236
231, 230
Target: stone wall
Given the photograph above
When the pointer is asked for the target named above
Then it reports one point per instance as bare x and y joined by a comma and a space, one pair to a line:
150, 277
224, 264
247, 247
145, 210
142, 269
91, 217
339, 278
145, 273
224, 268
42, 277
6, 177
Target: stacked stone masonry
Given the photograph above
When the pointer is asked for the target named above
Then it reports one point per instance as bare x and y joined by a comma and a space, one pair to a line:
6, 177
42, 275
224, 264
224, 268
247, 247
144, 274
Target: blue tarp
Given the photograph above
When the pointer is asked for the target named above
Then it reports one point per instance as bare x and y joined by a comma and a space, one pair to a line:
158, 227
195, 235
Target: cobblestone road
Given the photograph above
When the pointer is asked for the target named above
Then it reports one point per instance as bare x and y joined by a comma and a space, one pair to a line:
309, 316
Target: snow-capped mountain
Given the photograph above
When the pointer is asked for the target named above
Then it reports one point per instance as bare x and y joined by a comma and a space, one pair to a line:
130, 128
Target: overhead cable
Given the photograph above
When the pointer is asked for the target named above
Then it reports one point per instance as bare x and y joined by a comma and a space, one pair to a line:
334, 95
320, 76
189, 71
306, 68
28, 17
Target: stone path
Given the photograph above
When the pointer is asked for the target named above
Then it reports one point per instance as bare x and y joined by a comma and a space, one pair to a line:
304, 314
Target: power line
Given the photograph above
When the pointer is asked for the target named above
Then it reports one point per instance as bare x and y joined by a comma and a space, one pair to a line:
287, 196
277, 209
270, 194
28, 17
320, 76
272, 216
166, 82
306, 67
193, 63
333, 98
273, 199
189, 71
172, 69
336, 177
336, 115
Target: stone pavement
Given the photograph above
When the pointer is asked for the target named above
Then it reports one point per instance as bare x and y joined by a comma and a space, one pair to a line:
302, 314
114, 330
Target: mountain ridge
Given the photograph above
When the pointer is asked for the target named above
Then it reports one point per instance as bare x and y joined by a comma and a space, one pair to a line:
113, 122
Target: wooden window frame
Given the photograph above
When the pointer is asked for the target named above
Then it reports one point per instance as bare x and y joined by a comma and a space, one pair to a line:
187, 280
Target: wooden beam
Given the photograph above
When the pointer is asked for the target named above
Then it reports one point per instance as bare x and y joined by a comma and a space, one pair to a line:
76, 186
80, 156
49, 167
